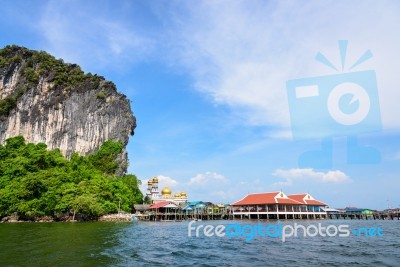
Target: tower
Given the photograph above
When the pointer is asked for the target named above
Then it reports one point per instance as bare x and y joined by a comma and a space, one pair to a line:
154, 189
149, 186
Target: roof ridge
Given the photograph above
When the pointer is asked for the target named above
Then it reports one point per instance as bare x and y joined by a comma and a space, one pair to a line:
264, 193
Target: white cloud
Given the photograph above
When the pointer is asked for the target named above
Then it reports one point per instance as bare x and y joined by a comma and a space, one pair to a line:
207, 179
163, 181
91, 35
242, 54
239, 54
167, 181
292, 175
209, 186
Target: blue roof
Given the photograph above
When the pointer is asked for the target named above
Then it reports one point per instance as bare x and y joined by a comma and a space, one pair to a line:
356, 210
193, 203
196, 204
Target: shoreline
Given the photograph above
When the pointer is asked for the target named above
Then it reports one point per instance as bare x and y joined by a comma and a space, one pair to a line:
121, 217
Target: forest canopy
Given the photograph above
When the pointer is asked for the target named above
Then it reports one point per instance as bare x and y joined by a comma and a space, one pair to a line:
37, 182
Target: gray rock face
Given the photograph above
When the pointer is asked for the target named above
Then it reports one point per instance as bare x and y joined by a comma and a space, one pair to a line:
74, 112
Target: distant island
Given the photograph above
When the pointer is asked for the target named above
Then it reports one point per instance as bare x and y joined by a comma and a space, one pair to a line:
63, 137
47, 100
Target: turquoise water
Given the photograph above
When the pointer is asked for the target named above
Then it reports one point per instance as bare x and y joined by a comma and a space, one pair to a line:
168, 244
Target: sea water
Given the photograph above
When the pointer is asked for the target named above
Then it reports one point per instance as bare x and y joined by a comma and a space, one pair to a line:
168, 244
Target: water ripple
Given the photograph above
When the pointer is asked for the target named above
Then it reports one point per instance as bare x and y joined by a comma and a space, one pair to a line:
168, 244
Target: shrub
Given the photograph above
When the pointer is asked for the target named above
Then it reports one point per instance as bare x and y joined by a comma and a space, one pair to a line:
101, 95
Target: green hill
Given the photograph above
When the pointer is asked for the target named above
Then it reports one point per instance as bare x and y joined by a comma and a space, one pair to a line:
36, 182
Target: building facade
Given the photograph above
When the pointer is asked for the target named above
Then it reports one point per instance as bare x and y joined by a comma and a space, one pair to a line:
166, 194
277, 205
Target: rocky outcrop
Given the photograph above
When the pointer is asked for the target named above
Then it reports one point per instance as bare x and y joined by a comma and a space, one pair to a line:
46, 100
116, 218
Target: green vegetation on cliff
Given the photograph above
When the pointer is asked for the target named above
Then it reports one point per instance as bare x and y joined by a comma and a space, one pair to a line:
39, 65
36, 182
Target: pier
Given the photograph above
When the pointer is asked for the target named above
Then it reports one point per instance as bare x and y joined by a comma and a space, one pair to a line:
378, 215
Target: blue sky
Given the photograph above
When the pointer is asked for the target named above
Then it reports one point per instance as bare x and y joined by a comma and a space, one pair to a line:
207, 81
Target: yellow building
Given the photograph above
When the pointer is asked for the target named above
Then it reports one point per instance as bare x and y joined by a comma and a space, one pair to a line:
166, 194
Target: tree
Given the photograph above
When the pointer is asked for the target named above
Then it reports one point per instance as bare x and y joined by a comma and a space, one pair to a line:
147, 200
36, 182
15, 142
87, 205
105, 158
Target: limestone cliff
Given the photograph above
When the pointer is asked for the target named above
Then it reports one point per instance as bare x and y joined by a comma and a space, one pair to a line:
47, 100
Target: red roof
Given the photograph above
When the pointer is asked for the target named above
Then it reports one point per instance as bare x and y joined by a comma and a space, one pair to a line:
160, 204
266, 198
305, 200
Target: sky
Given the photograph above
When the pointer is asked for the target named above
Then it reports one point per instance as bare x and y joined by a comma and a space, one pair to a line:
207, 82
